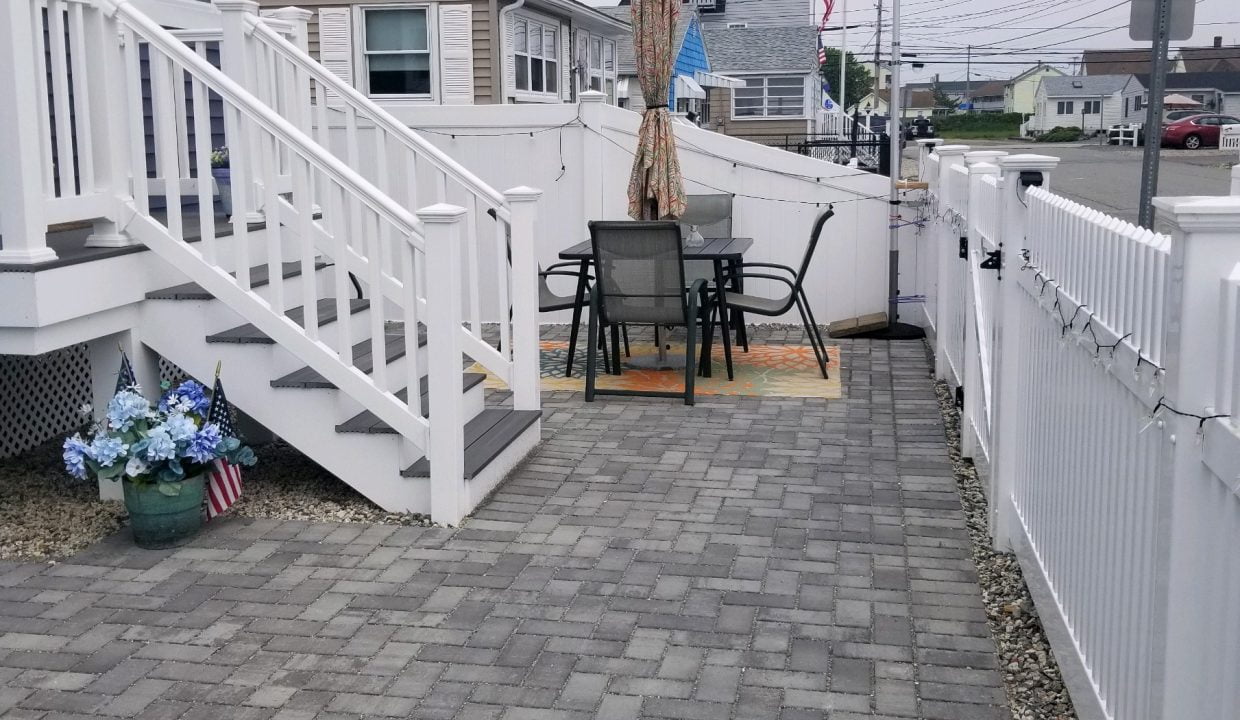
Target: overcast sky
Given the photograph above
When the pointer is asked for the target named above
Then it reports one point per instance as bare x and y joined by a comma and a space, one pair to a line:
939, 31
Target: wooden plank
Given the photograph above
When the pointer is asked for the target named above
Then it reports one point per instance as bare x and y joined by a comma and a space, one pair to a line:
486, 436
367, 422
249, 334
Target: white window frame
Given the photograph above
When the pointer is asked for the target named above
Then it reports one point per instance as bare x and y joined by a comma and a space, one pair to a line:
605, 77
545, 23
360, 53
766, 77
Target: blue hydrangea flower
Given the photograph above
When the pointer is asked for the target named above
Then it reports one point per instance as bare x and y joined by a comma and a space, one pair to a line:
105, 450
75, 456
159, 445
188, 397
136, 467
125, 408
180, 428
203, 447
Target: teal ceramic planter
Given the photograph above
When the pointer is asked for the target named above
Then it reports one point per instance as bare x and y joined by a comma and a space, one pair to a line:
160, 520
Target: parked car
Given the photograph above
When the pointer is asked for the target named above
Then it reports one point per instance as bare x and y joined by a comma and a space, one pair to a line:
1196, 131
1174, 115
917, 128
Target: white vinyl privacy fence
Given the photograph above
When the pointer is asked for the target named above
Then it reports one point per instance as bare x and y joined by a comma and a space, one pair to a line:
1098, 375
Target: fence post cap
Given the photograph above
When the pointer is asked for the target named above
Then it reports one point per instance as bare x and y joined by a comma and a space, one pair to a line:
1028, 162
441, 213
1202, 212
522, 194
952, 149
593, 96
249, 6
292, 13
983, 168
928, 141
980, 156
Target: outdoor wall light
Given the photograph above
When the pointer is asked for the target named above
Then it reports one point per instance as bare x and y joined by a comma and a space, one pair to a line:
1030, 178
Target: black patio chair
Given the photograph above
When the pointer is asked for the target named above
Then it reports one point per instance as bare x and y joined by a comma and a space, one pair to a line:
549, 301
640, 273
774, 307
711, 216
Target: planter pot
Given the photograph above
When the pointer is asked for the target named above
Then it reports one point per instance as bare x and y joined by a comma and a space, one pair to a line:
223, 181
161, 521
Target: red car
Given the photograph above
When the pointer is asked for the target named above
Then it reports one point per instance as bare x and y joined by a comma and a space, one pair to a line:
1196, 131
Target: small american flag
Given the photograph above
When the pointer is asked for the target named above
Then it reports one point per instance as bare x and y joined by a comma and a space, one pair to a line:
822, 49
125, 378
224, 478
828, 6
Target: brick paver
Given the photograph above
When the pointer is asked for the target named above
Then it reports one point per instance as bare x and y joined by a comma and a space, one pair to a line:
745, 558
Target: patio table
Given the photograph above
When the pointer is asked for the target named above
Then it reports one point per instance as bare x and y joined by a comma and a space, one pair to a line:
716, 250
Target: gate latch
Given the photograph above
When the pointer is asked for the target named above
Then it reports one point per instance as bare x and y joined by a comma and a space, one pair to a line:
993, 260
964, 248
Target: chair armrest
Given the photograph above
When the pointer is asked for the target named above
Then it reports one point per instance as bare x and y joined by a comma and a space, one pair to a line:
774, 266
764, 276
563, 273
567, 263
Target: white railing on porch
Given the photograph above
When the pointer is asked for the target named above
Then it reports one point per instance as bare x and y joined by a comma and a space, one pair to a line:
423, 269
1100, 378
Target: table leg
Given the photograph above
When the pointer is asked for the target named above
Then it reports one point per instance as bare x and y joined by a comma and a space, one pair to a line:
723, 316
572, 333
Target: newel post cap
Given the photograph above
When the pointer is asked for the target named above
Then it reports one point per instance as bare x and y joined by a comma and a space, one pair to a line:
1200, 213
440, 213
1028, 162
248, 6
522, 194
951, 149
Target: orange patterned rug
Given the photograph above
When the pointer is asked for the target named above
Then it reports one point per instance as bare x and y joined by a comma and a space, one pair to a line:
766, 370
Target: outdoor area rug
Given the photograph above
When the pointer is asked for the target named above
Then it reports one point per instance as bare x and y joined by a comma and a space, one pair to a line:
766, 370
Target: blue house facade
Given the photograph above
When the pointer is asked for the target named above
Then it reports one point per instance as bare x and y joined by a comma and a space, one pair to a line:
691, 58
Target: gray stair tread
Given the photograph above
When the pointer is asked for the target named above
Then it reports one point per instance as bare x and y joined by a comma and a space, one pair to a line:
249, 334
368, 422
486, 436
258, 278
363, 360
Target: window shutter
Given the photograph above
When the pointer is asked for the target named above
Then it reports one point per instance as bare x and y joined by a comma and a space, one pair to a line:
336, 46
456, 55
510, 70
566, 64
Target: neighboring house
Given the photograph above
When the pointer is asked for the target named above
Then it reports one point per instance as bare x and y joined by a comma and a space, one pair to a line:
988, 97
690, 73
763, 13
461, 53
1090, 102
1020, 92
1217, 58
779, 67
913, 102
1217, 92
1137, 61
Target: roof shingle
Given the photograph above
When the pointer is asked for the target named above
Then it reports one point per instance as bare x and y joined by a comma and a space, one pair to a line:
761, 49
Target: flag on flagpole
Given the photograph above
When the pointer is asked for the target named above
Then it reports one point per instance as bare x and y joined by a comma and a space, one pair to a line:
224, 478
829, 5
125, 378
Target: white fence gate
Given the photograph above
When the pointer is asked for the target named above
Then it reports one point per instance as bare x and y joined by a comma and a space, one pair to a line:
1100, 370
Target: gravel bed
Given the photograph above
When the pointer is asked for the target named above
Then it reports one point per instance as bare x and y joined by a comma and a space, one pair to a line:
45, 513
1034, 686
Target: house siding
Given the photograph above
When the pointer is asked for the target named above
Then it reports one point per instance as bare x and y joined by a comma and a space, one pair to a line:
692, 58
485, 92
766, 13
1021, 97
760, 131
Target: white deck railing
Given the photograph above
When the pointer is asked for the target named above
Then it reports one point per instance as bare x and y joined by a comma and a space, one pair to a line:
1100, 378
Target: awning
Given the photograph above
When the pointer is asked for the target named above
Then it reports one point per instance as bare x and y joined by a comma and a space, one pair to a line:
687, 87
708, 79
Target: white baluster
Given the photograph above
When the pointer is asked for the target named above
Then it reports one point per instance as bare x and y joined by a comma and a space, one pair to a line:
22, 219
202, 162
442, 227
526, 372
106, 75
233, 62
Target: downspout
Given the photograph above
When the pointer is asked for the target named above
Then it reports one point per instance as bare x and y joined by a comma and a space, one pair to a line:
505, 15
497, 71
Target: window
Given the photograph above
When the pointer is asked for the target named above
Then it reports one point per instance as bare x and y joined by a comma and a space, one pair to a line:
536, 56
1199, 99
1125, 106
1138, 103
595, 60
1065, 107
770, 97
1092, 107
609, 70
396, 49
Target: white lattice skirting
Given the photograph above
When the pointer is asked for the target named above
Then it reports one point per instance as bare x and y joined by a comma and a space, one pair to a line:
40, 396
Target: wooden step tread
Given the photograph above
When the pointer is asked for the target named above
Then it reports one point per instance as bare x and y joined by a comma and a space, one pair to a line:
363, 360
258, 278
368, 422
486, 436
249, 334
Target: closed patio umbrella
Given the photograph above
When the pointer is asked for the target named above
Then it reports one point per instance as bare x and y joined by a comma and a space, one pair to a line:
656, 190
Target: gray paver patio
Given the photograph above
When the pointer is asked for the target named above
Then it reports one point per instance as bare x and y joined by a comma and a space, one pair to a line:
745, 558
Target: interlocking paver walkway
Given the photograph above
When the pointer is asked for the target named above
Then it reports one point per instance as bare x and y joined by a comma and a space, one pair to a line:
745, 558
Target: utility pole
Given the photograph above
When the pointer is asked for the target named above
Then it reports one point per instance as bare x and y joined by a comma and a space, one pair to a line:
878, 44
968, 79
843, 95
1153, 114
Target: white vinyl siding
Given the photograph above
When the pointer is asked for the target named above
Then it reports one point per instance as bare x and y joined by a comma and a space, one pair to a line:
776, 96
396, 50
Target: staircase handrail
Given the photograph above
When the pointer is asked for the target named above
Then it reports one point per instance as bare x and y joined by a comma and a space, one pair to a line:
441, 160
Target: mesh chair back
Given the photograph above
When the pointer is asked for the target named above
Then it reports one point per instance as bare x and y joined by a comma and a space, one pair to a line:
712, 214
639, 271
813, 243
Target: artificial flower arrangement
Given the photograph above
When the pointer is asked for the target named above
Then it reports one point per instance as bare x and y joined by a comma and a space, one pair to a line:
219, 157
159, 446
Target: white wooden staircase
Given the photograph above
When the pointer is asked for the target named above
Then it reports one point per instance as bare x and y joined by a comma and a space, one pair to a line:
324, 187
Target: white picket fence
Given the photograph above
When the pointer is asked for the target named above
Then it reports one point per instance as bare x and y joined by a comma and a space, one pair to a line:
1100, 367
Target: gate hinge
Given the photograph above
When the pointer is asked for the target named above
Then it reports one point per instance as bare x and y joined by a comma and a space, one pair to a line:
964, 248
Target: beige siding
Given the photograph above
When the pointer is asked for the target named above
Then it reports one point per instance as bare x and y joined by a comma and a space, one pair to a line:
762, 131
483, 86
